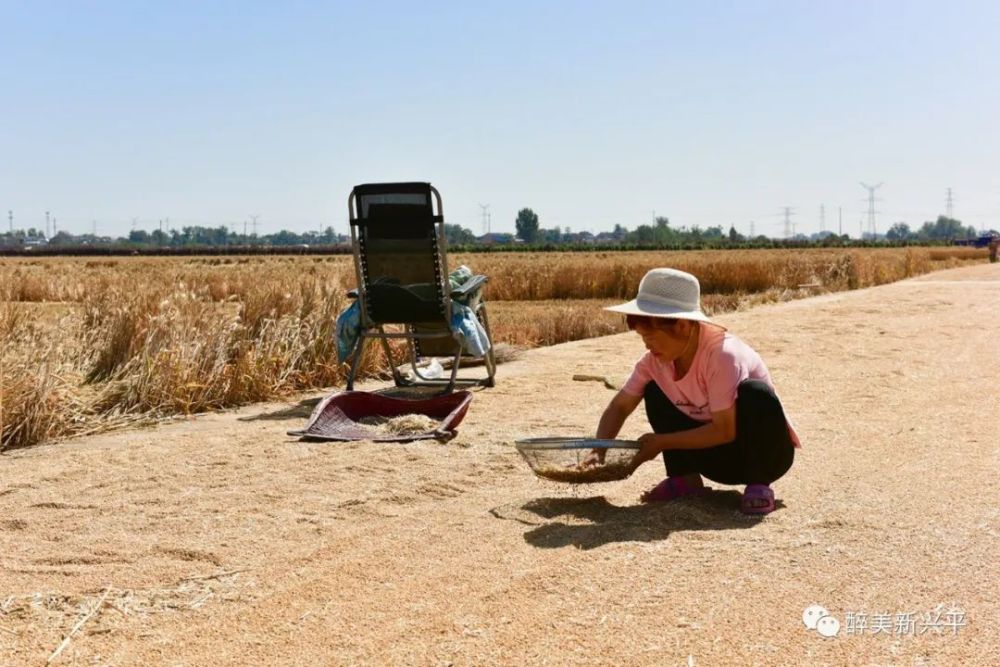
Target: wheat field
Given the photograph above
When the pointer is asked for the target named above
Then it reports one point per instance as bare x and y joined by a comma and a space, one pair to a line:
89, 345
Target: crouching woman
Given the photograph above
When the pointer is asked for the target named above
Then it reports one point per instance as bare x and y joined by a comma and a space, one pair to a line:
708, 398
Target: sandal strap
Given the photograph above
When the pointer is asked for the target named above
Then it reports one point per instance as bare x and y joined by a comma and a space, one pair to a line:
674, 487
757, 499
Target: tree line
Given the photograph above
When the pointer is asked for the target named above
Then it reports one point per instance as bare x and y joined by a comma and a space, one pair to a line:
661, 233
529, 232
185, 237
941, 229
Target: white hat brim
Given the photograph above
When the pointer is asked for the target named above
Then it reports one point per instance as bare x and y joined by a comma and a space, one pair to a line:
654, 309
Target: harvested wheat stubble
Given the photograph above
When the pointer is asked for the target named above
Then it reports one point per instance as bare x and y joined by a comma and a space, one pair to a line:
409, 424
586, 474
157, 337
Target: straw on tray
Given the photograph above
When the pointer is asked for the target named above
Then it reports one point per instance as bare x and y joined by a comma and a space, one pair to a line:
409, 424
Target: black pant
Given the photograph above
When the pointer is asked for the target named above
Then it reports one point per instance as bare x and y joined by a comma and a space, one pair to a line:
761, 452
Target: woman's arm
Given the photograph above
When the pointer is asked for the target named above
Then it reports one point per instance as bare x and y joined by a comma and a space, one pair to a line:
618, 410
720, 430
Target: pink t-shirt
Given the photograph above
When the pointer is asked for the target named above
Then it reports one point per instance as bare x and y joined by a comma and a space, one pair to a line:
720, 364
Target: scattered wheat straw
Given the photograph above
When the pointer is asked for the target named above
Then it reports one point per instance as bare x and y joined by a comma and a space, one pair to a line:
53, 609
79, 624
217, 575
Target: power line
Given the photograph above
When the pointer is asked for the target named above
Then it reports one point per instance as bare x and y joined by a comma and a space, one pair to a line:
486, 217
871, 207
788, 212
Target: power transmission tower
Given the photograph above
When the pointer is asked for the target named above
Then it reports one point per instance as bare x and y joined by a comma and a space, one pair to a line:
788, 212
840, 220
134, 222
950, 206
253, 218
94, 227
822, 218
55, 226
751, 229
10, 218
46, 224
871, 207
486, 218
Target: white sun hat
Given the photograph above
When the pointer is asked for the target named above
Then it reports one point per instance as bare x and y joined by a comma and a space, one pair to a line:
667, 293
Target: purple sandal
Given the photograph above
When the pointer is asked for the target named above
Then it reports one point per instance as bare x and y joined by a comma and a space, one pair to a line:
757, 499
672, 488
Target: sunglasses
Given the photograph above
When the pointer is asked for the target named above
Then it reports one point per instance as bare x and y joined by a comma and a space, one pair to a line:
633, 321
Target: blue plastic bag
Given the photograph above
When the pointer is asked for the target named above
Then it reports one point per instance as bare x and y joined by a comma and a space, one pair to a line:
348, 331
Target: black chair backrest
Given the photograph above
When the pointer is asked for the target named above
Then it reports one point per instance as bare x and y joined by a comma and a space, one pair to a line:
397, 248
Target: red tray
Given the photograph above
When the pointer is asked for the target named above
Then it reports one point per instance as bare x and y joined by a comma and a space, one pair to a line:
337, 416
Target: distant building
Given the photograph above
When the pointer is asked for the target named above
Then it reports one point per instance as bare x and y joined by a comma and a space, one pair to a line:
581, 238
982, 241
496, 238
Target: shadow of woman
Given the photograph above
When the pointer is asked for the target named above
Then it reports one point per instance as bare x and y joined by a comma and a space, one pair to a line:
604, 523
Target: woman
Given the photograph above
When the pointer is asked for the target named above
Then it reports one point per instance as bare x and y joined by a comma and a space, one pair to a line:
708, 397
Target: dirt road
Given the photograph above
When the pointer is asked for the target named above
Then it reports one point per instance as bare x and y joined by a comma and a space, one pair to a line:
219, 540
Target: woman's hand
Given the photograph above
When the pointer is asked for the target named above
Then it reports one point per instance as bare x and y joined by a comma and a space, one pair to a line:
649, 447
594, 458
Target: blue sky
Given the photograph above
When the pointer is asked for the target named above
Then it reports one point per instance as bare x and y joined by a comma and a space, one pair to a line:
590, 113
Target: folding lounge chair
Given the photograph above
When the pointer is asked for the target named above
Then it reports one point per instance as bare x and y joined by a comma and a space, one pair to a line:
402, 271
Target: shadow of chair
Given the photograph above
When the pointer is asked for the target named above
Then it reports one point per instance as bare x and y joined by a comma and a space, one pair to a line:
301, 410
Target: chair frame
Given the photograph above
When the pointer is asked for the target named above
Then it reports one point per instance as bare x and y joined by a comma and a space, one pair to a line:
371, 329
